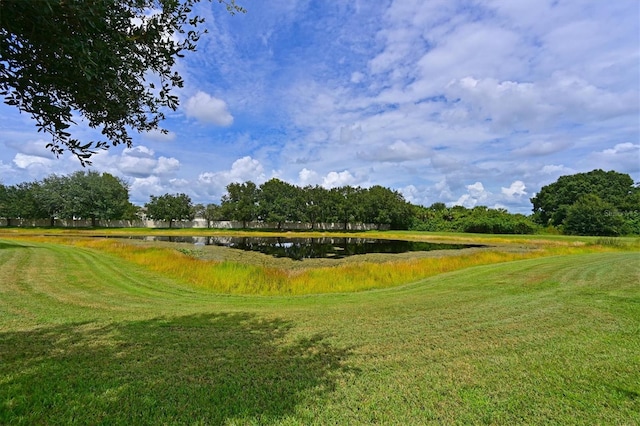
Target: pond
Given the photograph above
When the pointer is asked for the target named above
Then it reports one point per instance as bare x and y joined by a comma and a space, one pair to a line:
312, 248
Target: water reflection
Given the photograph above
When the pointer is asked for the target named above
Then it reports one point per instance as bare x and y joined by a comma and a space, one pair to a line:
308, 248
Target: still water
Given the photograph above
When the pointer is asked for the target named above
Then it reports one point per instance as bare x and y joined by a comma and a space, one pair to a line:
307, 248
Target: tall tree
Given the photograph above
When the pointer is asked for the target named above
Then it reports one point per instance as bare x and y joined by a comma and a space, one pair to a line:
552, 203
211, 212
279, 202
241, 202
110, 60
316, 206
52, 196
590, 215
4, 201
20, 202
95, 196
349, 204
386, 207
170, 208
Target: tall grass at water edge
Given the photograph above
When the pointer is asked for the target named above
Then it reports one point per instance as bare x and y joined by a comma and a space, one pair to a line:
239, 278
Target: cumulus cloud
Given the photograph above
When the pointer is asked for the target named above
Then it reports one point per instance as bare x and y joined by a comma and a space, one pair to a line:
247, 168
443, 190
166, 166
34, 161
141, 161
24, 161
242, 170
516, 190
336, 179
183, 184
476, 195
134, 164
142, 187
623, 149
208, 109
412, 194
477, 189
307, 177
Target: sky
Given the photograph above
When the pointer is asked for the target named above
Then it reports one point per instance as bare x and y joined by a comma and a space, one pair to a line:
457, 101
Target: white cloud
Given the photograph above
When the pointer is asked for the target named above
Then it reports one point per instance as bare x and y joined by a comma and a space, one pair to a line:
623, 158
141, 188
242, 170
516, 190
24, 161
166, 166
447, 163
247, 168
34, 148
477, 190
469, 47
207, 109
336, 179
476, 195
527, 105
183, 184
443, 190
411, 194
307, 177
623, 148
141, 162
137, 162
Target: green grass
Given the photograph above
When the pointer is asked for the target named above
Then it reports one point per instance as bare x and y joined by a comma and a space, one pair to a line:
89, 338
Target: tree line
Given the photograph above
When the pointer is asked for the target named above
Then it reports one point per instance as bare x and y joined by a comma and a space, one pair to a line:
593, 203
278, 202
94, 196
81, 195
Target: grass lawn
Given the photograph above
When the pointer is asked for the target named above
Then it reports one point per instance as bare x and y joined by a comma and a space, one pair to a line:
90, 338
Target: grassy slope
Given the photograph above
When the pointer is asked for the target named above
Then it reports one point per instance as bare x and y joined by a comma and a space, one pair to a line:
89, 338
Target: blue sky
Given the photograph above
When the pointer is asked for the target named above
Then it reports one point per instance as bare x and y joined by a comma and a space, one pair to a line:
457, 101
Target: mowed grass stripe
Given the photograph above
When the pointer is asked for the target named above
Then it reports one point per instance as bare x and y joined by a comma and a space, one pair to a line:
508, 343
67, 282
538, 341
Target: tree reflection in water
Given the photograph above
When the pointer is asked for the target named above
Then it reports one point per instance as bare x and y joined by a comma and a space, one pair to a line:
312, 248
